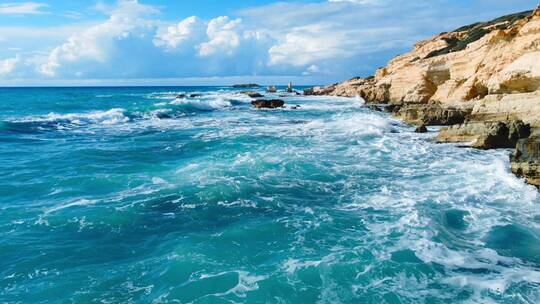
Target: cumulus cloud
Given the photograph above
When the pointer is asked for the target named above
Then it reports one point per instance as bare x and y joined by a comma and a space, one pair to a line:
224, 36
24, 8
189, 31
310, 44
334, 39
99, 43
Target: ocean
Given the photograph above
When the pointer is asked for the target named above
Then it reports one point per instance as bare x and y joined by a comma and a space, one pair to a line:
130, 195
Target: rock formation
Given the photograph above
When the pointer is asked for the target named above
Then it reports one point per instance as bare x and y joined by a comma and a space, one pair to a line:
252, 94
525, 159
484, 77
268, 103
246, 86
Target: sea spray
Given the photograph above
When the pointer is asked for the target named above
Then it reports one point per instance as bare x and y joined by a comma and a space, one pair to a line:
136, 196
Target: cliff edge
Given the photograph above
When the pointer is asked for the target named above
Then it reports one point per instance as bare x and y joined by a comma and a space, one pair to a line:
483, 80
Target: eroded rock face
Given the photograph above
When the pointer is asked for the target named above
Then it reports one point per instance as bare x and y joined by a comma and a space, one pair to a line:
268, 103
486, 135
483, 78
525, 160
483, 65
367, 88
433, 115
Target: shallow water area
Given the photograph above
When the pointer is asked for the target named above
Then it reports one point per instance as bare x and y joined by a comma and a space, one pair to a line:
115, 195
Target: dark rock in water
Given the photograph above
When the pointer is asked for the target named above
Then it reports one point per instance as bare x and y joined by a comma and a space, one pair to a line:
246, 86
289, 88
268, 103
374, 108
271, 89
195, 95
486, 135
252, 94
526, 159
180, 96
296, 107
392, 108
308, 92
421, 129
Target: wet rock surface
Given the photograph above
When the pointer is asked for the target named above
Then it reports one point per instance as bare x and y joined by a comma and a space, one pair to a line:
433, 115
525, 159
486, 135
268, 103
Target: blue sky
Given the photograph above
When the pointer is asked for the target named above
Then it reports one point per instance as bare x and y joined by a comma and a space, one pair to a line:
157, 42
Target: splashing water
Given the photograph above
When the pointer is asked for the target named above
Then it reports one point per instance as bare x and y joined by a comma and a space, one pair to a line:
119, 195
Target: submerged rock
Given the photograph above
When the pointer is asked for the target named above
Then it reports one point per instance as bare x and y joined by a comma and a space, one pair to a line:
374, 108
392, 108
486, 135
421, 129
271, 89
252, 94
268, 103
525, 160
195, 95
180, 96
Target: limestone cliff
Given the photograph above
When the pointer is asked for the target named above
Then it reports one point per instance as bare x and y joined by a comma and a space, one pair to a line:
478, 75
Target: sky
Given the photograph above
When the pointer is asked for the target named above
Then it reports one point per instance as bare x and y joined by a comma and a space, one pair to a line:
217, 42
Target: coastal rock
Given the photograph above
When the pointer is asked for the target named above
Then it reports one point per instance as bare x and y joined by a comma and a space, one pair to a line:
374, 108
365, 88
252, 94
268, 103
180, 96
392, 108
525, 160
433, 115
289, 88
246, 86
271, 89
499, 59
486, 135
421, 129
487, 74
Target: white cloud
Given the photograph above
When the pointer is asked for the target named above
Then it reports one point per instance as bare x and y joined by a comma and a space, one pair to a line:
98, 42
224, 37
311, 44
8, 65
189, 31
24, 8
335, 39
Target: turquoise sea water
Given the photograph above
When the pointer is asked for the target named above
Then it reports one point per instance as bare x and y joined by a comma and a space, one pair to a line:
128, 195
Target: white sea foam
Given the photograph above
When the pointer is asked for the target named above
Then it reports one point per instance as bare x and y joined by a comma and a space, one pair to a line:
203, 104
110, 117
78, 203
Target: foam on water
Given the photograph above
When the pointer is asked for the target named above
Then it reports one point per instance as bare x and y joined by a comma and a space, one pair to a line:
206, 199
110, 117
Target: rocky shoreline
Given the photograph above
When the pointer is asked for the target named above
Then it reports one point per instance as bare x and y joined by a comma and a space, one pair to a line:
481, 81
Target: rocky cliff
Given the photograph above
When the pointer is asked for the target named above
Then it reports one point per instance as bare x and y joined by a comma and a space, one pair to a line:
483, 78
